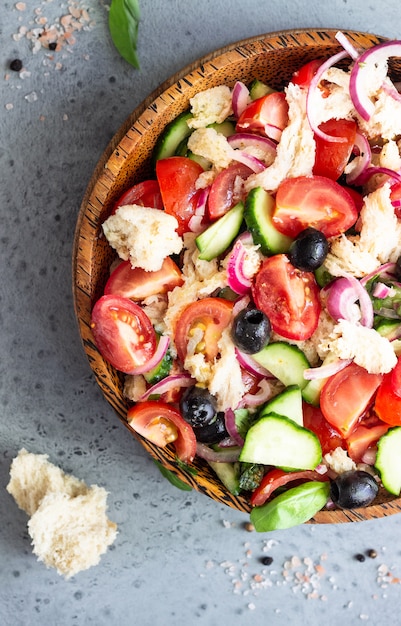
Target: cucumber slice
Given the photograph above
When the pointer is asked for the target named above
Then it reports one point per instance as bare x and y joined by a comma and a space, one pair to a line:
288, 403
161, 370
216, 239
258, 89
285, 361
259, 209
226, 128
388, 460
172, 136
277, 440
389, 329
228, 474
312, 389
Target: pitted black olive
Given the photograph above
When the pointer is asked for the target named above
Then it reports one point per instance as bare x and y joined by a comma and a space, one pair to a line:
309, 250
198, 406
214, 432
251, 330
353, 489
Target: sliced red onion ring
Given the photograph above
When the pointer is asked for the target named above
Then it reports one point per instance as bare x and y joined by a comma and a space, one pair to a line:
240, 141
391, 90
372, 171
231, 427
255, 399
160, 351
324, 371
226, 455
256, 165
195, 223
250, 365
314, 84
347, 45
168, 383
240, 98
343, 293
240, 305
237, 280
274, 132
364, 158
387, 270
378, 54
381, 290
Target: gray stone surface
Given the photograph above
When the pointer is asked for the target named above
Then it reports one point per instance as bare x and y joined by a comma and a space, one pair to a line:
179, 558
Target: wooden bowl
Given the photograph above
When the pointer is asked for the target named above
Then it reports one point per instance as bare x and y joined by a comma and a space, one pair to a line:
271, 58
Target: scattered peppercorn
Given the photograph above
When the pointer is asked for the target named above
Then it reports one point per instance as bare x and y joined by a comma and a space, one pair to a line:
249, 527
372, 554
16, 65
360, 558
266, 560
52, 45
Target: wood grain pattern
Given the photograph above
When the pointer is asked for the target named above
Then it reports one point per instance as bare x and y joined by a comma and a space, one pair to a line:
127, 159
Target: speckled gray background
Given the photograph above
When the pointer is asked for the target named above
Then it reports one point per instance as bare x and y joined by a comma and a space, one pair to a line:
179, 558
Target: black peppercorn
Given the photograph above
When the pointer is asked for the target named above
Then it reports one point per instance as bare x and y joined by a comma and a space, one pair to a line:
372, 554
266, 560
52, 45
16, 65
360, 558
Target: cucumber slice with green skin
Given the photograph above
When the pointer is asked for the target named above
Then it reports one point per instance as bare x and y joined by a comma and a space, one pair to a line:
172, 136
228, 474
277, 440
388, 460
389, 329
226, 128
216, 239
288, 403
258, 89
258, 214
285, 361
161, 370
311, 391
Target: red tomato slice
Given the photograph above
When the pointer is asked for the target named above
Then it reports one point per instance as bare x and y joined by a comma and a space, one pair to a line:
304, 75
346, 396
177, 177
288, 296
146, 194
138, 284
315, 201
388, 399
332, 156
314, 420
395, 196
268, 111
221, 195
123, 333
277, 478
162, 424
362, 438
212, 315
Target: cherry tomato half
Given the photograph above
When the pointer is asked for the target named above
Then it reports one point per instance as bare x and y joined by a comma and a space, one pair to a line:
212, 315
331, 157
123, 333
315, 201
267, 115
277, 478
221, 195
304, 75
138, 284
146, 194
346, 395
288, 296
314, 420
362, 438
177, 177
162, 424
388, 399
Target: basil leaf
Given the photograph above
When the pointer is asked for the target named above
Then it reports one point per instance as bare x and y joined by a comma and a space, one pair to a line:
172, 478
123, 25
293, 507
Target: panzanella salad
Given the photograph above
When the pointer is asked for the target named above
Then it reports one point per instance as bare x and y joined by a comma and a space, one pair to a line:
255, 307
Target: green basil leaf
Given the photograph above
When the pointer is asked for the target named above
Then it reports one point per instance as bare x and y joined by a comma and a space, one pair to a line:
293, 507
172, 478
124, 18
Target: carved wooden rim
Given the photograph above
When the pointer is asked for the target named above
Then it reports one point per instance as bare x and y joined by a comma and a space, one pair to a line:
126, 160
